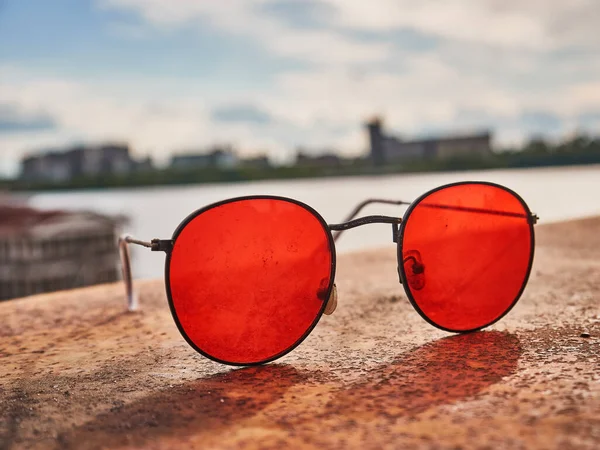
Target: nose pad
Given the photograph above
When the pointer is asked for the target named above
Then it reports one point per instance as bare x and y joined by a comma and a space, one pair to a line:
414, 269
332, 300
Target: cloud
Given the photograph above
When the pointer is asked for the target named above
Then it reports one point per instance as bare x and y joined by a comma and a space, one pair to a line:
13, 120
299, 13
514, 66
541, 121
253, 20
590, 120
520, 24
241, 113
129, 31
515, 128
419, 64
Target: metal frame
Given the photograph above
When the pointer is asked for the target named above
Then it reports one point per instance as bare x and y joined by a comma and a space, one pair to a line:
398, 228
360, 207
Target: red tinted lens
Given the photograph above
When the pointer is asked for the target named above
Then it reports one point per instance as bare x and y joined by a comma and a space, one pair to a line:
249, 278
466, 254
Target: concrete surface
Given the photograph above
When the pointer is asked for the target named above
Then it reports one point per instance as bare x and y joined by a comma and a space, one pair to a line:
78, 372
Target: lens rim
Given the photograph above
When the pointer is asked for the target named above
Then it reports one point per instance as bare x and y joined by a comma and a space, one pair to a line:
198, 212
401, 270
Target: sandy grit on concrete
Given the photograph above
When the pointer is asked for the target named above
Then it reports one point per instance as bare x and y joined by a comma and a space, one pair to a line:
79, 372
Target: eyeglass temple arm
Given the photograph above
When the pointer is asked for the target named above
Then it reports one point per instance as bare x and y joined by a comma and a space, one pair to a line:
156, 245
362, 205
132, 299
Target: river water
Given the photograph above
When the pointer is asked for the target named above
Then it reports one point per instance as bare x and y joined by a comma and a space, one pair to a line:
552, 193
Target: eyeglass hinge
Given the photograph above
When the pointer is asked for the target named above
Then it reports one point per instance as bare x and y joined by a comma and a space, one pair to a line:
534, 218
161, 245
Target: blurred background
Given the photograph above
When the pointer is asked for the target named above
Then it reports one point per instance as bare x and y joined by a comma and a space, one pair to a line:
127, 115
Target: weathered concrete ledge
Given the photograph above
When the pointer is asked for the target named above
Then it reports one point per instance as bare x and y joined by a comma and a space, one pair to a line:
77, 371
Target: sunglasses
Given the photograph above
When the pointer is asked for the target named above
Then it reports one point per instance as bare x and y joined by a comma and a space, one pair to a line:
248, 278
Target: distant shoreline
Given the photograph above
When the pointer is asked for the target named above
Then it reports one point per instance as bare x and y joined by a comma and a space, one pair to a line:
170, 177
578, 150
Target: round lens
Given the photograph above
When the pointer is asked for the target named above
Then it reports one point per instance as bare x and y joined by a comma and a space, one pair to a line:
466, 254
248, 279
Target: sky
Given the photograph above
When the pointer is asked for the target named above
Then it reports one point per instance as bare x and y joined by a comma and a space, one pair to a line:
271, 76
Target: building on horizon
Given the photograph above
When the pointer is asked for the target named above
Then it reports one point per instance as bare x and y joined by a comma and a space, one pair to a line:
218, 158
326, 159
387, 149
81, 161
